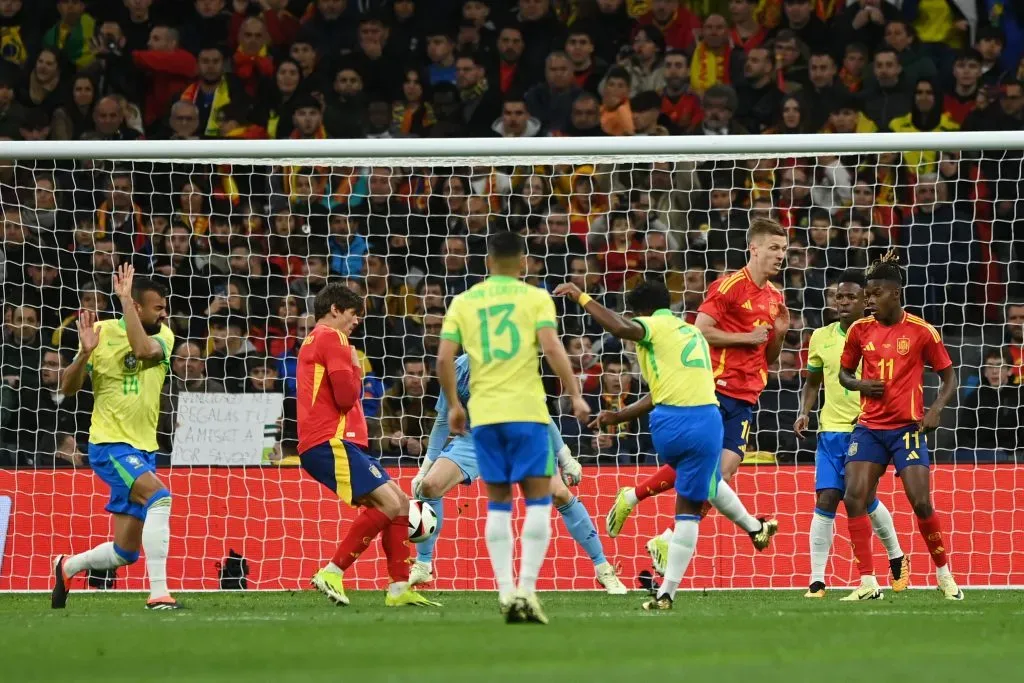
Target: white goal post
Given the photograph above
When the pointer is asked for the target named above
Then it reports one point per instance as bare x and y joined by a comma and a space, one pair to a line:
244, 234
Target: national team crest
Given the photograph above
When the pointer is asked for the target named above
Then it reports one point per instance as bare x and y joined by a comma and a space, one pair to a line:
773, 309
375, 472
903, 346
131, 364
852, 451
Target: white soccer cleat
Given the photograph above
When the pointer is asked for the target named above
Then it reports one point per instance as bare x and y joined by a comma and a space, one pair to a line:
608, 576
868, 590
421, 572
950, 591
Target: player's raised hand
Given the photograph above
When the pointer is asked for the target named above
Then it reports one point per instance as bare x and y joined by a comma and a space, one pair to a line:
581, 409
88, 337
801, 425
457, 419
759, 335
123, 279
782, 322
569, 290
603, 419
872, 388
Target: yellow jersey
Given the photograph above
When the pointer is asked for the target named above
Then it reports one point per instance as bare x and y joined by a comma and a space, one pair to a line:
496, 322
675, 361
842, 406
126, 390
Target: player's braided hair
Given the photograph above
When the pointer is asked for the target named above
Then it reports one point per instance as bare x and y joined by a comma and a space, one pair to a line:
886, 268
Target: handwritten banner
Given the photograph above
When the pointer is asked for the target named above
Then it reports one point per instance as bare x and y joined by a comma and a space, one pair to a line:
225, 429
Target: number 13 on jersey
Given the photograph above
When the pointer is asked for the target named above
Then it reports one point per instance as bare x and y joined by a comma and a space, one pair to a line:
505, 332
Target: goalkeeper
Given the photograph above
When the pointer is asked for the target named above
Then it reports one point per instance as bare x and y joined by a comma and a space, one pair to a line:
454, 462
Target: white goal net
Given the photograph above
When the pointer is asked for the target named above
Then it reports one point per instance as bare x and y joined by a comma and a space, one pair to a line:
244, 235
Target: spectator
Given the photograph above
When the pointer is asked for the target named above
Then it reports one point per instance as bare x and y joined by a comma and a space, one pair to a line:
21, 351
541, 32
412, 115
74, 118
992, 417
109, 122
674, 21
167, 69
758, 97
407, 412
584, 118
747, 32
887, 96
823, 88
1006, 114
586, 65
188, 374
798, 17
678, 102
926, 116
551, 102
989, 42
645, 67
791, 117
44, 87
184, 121
846, 117
714, 61
481, 101
11, 111
441, 53
229, 348
966, 78
345, 110
1014, 337
212, 91
512, 74
19, 33
854, 67
262, 377
186, 281
864, 22
719, 106
515, 120
618, 443
616, 116
70, 37
315, 277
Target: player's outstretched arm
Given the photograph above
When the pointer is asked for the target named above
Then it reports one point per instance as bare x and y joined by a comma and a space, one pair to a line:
89, 339
946, 390
555, 354
613, 323
720, 339
143, 346
631, 412
808, 399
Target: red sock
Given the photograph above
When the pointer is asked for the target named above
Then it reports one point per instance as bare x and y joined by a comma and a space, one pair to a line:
931, 531
368, 524
396, 548
860, 538
662, 480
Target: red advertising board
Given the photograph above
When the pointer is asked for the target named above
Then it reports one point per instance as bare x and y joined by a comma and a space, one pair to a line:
286, 525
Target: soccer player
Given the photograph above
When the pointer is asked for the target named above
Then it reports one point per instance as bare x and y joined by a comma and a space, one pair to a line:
448, 464
127, 359
686, 425
836, 421
891, 347
500, 323
744, 320
332, 450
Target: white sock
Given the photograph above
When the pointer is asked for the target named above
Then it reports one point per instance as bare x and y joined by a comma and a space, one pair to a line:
156, 535
822, 531
943, 571
101, 557
332, 568
680, 552
630, 496
881, 522
397, 588
498, 534
728, 503
535, 537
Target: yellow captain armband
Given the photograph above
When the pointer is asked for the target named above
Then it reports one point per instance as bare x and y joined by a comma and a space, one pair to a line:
584, 299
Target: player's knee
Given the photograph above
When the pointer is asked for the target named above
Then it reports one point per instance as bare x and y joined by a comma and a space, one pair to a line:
855, 503
828, 500
560, 496
431, 488
923, 508
124, 557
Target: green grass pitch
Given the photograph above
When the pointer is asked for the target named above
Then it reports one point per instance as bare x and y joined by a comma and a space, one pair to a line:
752, 637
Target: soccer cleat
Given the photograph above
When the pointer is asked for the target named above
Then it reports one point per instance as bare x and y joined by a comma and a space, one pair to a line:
532, 611
619, 513
762, 538
330, 584
949, 589
817, 590
165, 603
421, 572
900, 569
408, 598
608, 576
61, 587
657, 548
868, 590
658, 604
513, 609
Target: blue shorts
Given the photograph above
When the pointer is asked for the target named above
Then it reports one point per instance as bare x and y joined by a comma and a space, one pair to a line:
689, 438
460, 451
119, 465
344, 468
737, 416
903, 446
508, 452
830, 461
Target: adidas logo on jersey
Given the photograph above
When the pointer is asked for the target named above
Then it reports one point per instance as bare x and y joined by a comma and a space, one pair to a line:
870, 346
747, 305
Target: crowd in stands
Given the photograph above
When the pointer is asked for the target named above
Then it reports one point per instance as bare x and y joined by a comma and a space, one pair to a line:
243, 250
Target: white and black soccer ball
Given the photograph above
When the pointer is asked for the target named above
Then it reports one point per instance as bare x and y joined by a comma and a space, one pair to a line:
422, 521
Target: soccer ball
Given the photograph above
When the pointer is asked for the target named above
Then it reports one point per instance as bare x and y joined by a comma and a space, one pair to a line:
422, 521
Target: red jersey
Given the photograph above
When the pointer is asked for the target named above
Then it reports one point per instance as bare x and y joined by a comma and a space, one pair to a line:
328, 392
738, 305
895, 355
